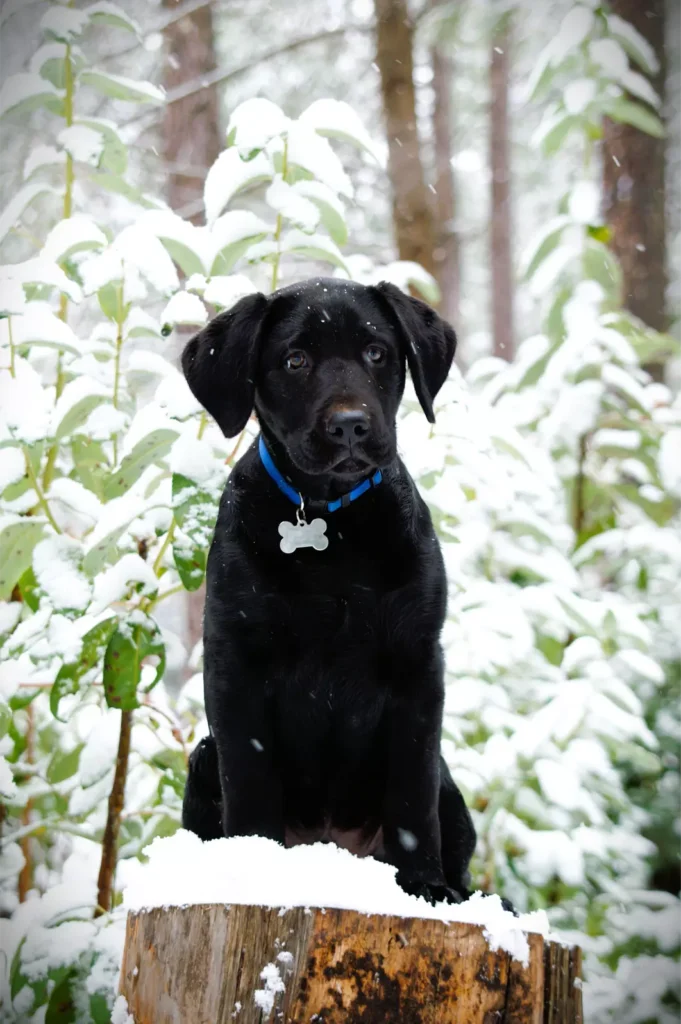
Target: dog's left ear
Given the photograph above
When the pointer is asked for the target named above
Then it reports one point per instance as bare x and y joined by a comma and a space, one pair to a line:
429, 343
220, 363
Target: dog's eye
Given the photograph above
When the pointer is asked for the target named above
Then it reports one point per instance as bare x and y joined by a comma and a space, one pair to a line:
374, 353
295, 361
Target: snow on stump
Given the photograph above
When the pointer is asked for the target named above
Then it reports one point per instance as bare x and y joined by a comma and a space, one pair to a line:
196, 951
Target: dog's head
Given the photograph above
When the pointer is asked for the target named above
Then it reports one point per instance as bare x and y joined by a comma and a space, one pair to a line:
323, 364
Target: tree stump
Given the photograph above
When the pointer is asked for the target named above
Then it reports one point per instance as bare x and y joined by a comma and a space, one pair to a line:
208, 964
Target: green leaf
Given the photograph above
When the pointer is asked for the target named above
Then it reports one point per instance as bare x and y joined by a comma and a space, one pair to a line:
63, 765
28, 588
17, 540
90, 463
77, 415
659, 511
146, 453
195, 512
5, 718
54, 68
231, 254
109, 297
114, 156
628, 112
19, 202
62, 1008
120, 187
69, 675
25, 92
554, 139
600, 265
119, 88
600, 233
188, 260
132, 642
107, 13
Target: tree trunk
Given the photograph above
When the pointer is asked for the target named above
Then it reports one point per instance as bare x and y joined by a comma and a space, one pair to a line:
191, 126
634, 186
446, 254
212, 963
501, 257
412, 214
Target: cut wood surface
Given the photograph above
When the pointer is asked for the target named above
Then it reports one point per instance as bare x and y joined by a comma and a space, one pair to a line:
204, 965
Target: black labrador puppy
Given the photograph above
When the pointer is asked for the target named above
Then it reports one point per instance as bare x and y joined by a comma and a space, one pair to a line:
322, 661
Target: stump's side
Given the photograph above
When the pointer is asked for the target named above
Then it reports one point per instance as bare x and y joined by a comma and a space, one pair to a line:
203, 964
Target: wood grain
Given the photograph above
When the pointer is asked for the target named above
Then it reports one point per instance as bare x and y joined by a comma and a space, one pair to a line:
203, 964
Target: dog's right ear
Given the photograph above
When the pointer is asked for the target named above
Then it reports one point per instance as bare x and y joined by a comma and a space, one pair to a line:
220, 363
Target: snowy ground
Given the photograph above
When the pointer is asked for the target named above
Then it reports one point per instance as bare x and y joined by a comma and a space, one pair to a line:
182, 870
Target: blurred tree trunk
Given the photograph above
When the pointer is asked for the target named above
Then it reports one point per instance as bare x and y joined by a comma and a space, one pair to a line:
501, 256
634, 187
191, 144
412, 213
191, 126
446, 254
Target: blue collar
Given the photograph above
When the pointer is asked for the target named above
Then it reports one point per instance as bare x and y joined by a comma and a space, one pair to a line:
323, 506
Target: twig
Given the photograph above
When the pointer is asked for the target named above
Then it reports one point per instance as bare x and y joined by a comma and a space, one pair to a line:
26, 873
112, 829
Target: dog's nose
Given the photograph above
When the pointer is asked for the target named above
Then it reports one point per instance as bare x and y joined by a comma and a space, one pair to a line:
346, 426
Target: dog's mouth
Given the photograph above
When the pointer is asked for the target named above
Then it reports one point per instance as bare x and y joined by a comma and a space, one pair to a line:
350, 465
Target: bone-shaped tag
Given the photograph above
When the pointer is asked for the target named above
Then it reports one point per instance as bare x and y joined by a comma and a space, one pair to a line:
303, 535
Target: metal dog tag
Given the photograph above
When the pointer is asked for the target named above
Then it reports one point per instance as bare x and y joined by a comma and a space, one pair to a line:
302, 534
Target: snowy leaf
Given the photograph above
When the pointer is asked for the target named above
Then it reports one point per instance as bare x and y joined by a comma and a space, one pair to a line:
132, 642
636, 45
72, 235
316, 247
229, 175
572, 32
628, 112
232, 235
339, 120
19, 202
26, 92
79, 397
406, 274
84, 144
120, 88
43, 272
331, 209
49, 61
103, 12
145, 453
41, 327
140, 324
41, 157
63, 765
18, 537
195, 509
187, 244
225, 291
24, 403
183, 308
285, 200
639, 86
119, 186
12, 300
57, 568
63, 23
554, 135
253, 123
114, 152
70, 674
542, 245
313, 153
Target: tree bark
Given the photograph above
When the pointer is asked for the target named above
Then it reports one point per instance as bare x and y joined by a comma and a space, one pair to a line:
634, 186
501, 257
204, 963
412, 213
191, 126
446, 253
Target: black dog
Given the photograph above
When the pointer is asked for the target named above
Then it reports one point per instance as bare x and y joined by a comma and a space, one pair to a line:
323, 668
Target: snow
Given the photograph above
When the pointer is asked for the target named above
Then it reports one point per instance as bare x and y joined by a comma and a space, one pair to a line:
39, 325
63, 23
113, 584
339, 120
19, 88
43, 156
119, 1012
669, 461
290, 204
8, 789
254, 122
584, 202
12, 300
42, 271
578, 94
274, 984
295, 240
626, 32
194, 459
182, 871
74, 496
76, 232
572, 32
24, 404
225, 291
76, 391
83, 143
99, 753
610, 55
228, 175
184, 308
14, 208
56, 563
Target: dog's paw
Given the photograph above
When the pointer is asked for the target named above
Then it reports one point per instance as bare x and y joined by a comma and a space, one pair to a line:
432, 893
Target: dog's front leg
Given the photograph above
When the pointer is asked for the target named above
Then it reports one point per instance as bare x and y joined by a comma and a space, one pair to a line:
241, 719
411, 824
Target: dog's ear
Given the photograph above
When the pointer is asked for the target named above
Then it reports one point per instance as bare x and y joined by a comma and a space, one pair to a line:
429, 343
220, 363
